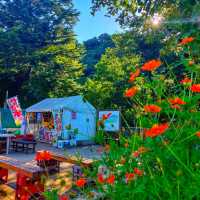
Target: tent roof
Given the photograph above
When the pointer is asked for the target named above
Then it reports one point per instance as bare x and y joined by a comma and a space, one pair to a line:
73, 103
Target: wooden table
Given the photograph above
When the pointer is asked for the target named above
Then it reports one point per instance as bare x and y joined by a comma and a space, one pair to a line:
29, 177
25, 145
28, 169
7, 136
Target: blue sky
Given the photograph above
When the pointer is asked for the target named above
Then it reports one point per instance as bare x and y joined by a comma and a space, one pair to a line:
90, 26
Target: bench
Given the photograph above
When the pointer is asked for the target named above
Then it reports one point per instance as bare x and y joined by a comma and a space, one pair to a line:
24, 145
28, 182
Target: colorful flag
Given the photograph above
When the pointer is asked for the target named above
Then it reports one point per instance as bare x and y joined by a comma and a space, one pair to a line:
15, 109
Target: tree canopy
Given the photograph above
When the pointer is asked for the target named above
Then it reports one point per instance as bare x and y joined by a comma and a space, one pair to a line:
27, 27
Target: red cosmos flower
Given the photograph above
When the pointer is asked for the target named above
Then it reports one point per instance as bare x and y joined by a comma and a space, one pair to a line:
106, 116
186, 40
129, 176
110, 180
43, 155
185, 80
152, 108
64, 197
156, 130
151, 65
100, 178
81, 182
131, 92
177, 101
134, 75
138, 171
195, 88
198, 134
136, 154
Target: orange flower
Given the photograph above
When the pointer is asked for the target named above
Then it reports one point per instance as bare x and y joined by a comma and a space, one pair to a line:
151, 65
111, 179
195, 88
81, 182
186, 40
42, 156
198, 134
152, 108
134, 75
129, 176
177, 101
106, 116
131, 92
191, 62
138, 171
100, 178
156, 130
185, 80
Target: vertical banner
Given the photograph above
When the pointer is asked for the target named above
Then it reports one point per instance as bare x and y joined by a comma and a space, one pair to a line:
58, 122
15, 109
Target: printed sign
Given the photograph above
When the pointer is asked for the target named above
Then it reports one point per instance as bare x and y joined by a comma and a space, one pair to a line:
73, 115
57, 122
111, 120
15, 109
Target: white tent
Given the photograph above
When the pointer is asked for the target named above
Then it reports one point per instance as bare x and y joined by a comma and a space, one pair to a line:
85, 120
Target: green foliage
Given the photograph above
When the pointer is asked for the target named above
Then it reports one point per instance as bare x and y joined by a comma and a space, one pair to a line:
95, 47
51, 195
58, 72
26, 27
169, 162
106, 88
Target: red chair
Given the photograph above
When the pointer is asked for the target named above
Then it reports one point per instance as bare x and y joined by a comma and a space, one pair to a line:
29, 137
27, 188
3, 175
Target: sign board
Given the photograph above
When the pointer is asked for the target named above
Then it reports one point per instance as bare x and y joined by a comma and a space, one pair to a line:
15, 109
113, 122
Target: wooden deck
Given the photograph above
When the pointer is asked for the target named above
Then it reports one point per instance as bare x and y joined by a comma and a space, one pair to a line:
7, 193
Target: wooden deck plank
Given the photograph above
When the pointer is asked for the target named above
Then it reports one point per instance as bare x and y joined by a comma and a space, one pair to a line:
72, 160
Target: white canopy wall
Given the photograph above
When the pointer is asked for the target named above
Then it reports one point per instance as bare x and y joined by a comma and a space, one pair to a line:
85, 121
